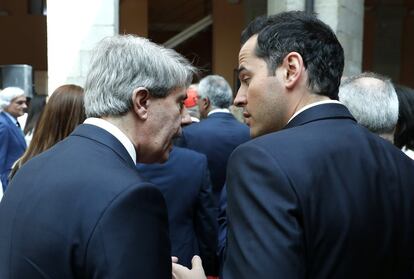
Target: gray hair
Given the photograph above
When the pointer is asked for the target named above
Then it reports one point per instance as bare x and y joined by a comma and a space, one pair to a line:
122, 63
372, 100
8, 94
217, 90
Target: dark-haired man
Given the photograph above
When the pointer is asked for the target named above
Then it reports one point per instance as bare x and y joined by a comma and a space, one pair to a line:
313, 195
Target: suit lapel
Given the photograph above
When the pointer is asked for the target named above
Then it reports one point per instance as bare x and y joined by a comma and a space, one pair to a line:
100, 135
320, 112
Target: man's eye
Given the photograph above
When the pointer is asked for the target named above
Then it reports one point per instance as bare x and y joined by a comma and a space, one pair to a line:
246, 81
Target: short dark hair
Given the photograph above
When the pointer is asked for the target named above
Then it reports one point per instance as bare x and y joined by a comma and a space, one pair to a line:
301, 32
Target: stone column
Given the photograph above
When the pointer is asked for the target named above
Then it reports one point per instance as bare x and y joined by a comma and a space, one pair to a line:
73, 29
277, 6
346, 18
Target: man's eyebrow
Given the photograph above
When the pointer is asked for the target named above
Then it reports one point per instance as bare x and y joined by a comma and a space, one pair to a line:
241, 69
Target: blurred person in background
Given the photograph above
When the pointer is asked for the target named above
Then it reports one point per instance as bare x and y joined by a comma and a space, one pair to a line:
36, 106
12, 142
219, 132
372, 101
404, 133
191, 103
62, 113
184, 181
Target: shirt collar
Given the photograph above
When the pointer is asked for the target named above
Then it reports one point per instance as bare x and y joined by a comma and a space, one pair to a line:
312, 105
116, 132
219, 110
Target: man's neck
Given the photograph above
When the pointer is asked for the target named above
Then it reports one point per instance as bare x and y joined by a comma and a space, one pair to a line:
314, 102
116, 127
122, 125
309, 99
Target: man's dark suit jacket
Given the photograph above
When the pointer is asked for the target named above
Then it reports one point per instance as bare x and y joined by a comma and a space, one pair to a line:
185, 183
12, 146
322, 198
216, 137
80, 210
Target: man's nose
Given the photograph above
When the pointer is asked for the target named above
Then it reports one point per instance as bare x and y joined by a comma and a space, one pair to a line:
241, 99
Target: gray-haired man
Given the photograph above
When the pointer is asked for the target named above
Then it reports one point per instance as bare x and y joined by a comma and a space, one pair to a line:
80, 210
372, 100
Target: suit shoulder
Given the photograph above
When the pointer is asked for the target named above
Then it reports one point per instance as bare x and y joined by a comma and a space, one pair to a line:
3, 121
194, 126
256, 146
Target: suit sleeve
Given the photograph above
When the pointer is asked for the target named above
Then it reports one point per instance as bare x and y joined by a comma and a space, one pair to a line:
265, 238
4, 139
131, 238
206, 224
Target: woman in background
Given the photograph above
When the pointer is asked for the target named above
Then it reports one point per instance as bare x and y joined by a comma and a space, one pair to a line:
62, 113
404, 132
36, 106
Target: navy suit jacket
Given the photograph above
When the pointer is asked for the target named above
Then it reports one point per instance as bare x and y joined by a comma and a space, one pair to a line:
322, 198
185, 183
216, 137
80, 210
12, 146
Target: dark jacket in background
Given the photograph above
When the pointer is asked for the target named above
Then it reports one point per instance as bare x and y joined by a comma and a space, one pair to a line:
185, 183
216, 137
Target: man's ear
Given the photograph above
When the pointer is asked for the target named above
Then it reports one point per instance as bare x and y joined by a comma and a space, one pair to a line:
140, 102
206, 103
293, 69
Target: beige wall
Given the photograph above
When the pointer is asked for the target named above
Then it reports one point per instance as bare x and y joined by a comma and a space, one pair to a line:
133, 17
228, 22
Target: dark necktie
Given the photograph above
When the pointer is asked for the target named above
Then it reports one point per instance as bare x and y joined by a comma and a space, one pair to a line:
18, 125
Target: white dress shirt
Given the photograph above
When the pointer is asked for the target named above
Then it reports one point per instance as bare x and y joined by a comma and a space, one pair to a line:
314, 104
218, 110
116, 132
